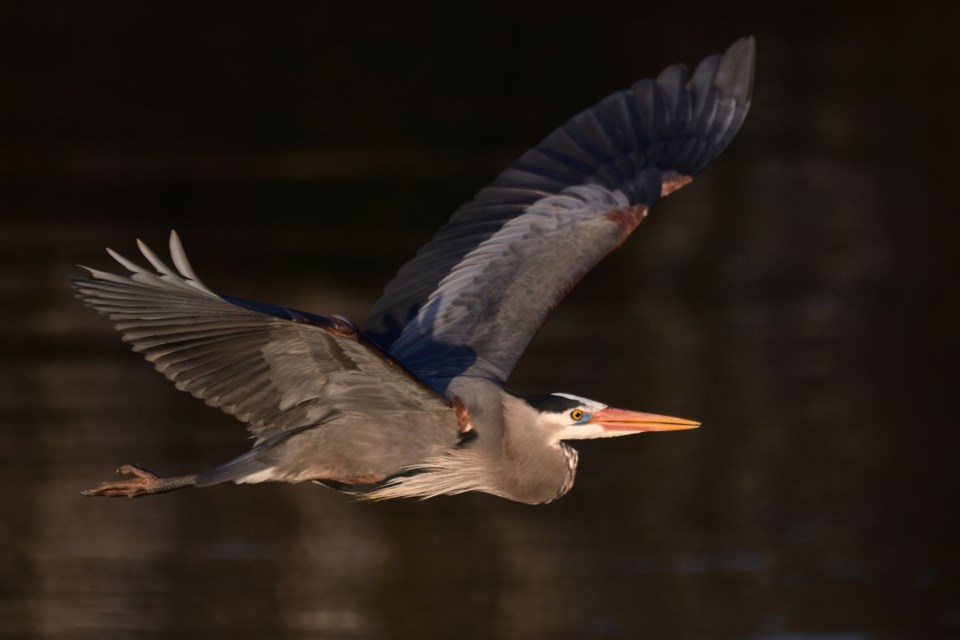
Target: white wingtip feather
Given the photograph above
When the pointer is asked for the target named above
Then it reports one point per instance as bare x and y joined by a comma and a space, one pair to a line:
152, 258
180, 261
132, 267
180, 257
104, 275
164, 278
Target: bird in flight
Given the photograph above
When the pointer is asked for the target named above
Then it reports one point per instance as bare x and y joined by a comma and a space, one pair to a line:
413, 403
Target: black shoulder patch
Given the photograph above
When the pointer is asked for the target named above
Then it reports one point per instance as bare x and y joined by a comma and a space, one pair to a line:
547, 402
466, 438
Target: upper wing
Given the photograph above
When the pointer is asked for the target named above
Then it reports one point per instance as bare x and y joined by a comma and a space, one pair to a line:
473, 297
275, 368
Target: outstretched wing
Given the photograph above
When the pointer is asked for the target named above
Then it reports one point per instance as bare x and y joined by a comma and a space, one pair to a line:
275, 368
472, 299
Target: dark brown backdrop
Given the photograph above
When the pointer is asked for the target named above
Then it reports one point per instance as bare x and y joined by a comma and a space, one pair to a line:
799, 298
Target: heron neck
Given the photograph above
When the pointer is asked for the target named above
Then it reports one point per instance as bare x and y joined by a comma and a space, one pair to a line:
516, 453
537, 468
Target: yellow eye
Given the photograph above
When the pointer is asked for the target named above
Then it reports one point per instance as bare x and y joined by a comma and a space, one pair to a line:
576, 415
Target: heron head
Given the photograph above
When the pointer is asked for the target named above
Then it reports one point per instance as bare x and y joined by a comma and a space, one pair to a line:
574, 418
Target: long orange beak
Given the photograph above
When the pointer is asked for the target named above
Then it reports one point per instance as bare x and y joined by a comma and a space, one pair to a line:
621, 420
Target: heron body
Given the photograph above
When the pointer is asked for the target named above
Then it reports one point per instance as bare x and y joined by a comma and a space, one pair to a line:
413, 403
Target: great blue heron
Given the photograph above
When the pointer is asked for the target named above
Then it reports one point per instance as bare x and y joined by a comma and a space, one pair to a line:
413, 404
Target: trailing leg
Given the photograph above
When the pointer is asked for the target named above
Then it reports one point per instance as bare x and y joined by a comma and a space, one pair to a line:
142, 483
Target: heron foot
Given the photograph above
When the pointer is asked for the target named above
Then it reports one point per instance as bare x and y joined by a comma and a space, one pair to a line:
142, 483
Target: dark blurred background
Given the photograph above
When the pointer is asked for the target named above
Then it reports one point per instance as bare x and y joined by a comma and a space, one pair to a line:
799, 298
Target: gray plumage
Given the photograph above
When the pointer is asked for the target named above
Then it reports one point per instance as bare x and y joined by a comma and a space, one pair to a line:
285, 378
413, 405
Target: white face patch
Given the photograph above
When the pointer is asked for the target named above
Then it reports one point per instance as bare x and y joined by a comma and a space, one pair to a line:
573, 423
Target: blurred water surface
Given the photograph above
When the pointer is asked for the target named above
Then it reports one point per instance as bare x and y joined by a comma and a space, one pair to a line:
799, 298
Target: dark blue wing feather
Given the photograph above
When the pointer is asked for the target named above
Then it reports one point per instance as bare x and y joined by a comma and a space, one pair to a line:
287, 313
626, 146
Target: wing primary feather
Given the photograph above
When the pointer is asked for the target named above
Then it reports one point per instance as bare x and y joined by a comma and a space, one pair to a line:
630, 148
152, 258
130, 266
183, 265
